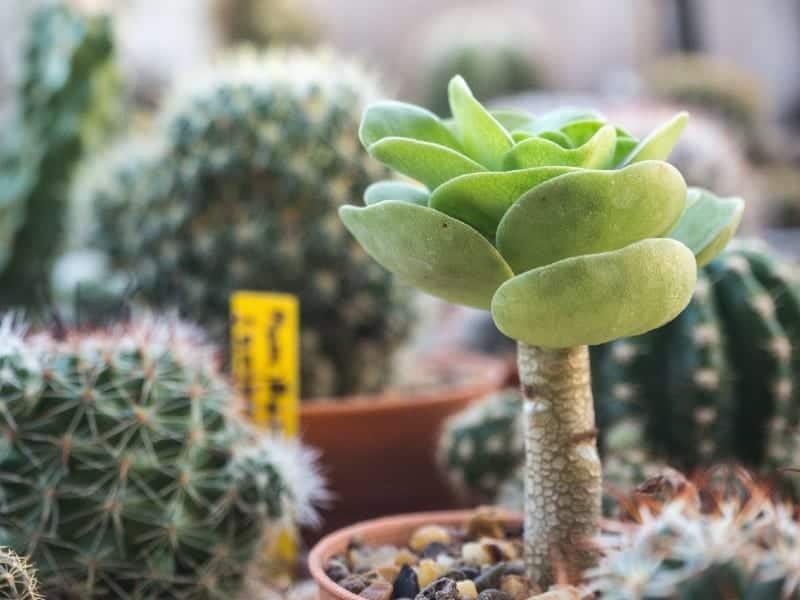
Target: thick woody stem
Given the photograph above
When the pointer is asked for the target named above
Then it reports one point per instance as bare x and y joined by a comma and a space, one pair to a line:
562, 467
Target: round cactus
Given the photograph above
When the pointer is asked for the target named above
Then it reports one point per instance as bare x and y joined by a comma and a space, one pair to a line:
17, 578
241, 193
123, 472
68, 101
265, 22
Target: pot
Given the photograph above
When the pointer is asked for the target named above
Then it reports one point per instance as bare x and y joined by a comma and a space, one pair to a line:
378, 452
395, 530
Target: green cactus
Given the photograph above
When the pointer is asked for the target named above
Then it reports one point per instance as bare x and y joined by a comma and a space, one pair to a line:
123, 472
265, 22
735, 543
17, 577
241, 192
571, 232
68, 102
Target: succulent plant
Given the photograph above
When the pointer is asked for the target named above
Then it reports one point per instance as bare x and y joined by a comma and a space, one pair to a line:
123, 470
241, 192
17, 578
571, 232
68, 101
265, 22
711, 543
492, 49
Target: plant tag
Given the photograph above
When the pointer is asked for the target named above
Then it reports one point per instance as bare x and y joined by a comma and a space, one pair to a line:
266, 370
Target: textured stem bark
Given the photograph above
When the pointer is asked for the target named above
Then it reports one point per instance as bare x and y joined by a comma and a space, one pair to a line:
562, 467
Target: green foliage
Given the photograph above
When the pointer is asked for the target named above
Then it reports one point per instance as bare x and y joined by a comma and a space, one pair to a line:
123, 472
240, 193
551, 222
17, 578
68, 100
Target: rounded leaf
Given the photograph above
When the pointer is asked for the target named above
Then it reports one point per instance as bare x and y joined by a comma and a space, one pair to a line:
481, 199
659, 143
556, 119
591, 211
429, 250
395, 190
398, 119
596, 153
596, 298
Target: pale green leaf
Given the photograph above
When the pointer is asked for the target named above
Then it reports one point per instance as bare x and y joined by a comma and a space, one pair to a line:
397, 119
597, 153
659, 143
396, 190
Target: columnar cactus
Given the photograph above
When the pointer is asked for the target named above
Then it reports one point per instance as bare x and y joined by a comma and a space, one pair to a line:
571, 232
17, 578
68, 101
124, 474
241, 192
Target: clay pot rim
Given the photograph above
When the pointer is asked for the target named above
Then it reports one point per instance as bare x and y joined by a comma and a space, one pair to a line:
337, 541
494, 373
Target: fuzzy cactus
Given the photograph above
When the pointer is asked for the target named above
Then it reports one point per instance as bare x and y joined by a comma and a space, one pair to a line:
17, 577
571, 232
67, 103
712, 543
123, 470
240, 193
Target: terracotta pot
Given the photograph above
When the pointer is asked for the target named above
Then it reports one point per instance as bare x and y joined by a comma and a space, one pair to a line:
378, 452
394, 530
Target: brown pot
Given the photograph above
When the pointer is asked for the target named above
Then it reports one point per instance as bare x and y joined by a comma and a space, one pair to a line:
378, 452
389, 530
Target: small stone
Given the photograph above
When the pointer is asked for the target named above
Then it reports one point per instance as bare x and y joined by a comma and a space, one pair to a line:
500, 549
475, 553
486, 521
427, 571
405, 557
406, 584
433, 550
471, 572
516, 567
559, 592
353, 583
426, 535
378, 590
455, 575
493, 594
467, 589
491, 577
519, 586
388, 573
336, 569
441, 589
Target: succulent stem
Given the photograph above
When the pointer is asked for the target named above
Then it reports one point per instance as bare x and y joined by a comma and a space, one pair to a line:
562, 467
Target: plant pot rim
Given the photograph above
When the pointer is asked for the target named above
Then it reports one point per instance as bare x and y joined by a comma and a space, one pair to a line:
494, 372
338, 540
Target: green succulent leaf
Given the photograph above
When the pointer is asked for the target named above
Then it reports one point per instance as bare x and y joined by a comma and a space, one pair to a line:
708, 223
597, 153
581, 132
625, 146
481, 199
390, 119
591, 211
430, 250
428, 163
659, 143
396, 190
555, 120
596, 298
483, 137
512, 119
557, 137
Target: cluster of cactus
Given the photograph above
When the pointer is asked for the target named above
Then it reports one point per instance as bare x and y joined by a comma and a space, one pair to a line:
240, 191
124, 472
17, 577
718, 383
265, 22
67, 102
724, 539
491, 49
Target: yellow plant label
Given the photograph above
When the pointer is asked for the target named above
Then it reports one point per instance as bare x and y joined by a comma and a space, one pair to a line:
265, 330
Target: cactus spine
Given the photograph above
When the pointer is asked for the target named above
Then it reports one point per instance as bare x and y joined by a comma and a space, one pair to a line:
17, 578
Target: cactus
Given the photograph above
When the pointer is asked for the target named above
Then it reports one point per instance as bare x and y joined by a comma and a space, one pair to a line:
17, 578
265, 22
241, 192
571, 232
123, 472
67, 102
491, 49
711, 542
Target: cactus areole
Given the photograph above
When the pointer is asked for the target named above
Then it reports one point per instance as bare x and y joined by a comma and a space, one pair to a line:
571, 232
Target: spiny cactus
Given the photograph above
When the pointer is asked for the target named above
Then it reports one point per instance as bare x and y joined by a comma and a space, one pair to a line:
241, 193
718, 542
68, 101
492, 49
265, 22
123, 473
571, 232
17, 577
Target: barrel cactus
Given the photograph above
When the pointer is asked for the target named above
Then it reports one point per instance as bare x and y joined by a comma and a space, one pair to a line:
17, 578
241, 192
67, 103
123, 471
265, 22
571, 232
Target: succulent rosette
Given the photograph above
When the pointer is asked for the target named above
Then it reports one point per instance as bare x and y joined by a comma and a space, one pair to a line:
569, 229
